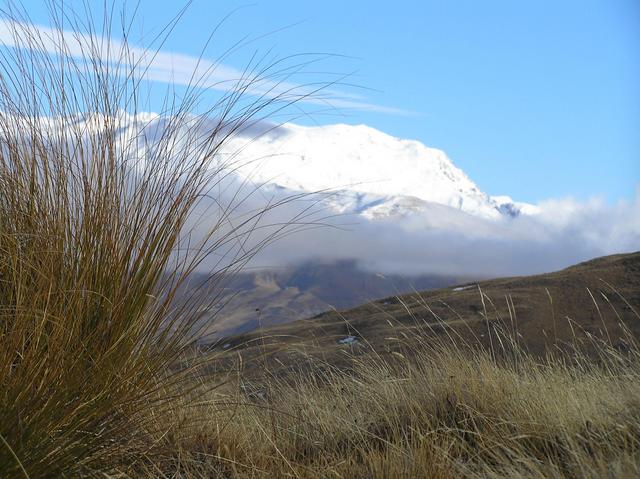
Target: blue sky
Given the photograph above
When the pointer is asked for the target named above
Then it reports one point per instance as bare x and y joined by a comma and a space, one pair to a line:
533, 99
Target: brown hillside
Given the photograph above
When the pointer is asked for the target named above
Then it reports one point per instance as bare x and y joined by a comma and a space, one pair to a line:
583, 304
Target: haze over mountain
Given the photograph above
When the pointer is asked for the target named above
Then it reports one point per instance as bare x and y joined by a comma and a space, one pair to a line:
392, 205
410, 219
406, 208
385, 207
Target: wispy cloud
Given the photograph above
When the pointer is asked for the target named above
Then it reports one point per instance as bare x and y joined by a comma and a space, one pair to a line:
186, 70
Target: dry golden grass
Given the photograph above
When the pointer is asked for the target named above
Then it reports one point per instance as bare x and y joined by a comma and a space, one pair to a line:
436, 411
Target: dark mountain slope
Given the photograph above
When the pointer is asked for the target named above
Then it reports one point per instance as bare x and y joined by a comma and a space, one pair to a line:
598, 300
271, 297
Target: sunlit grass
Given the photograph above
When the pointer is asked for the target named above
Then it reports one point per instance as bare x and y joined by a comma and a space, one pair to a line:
437, 410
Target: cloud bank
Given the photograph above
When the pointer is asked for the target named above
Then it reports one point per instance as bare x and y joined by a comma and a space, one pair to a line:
443, 240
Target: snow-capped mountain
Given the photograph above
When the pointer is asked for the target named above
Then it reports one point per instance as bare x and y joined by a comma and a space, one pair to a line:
377, 175
367, 172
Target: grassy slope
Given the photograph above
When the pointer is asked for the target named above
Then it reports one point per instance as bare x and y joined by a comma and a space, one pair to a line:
430, 406
437, 415
592, 298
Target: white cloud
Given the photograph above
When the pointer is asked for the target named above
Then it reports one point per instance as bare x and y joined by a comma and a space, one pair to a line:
180, 69
447, 241
433, 238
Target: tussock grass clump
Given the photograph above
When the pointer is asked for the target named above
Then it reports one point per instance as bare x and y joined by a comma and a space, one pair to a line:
96, 243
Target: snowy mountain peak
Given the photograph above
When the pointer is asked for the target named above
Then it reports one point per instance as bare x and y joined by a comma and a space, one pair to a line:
371, 173
364, 160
